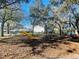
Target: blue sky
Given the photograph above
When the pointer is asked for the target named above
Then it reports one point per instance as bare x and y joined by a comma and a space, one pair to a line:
26, 10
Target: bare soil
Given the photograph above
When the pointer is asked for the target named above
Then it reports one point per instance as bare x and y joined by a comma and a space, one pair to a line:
13, 48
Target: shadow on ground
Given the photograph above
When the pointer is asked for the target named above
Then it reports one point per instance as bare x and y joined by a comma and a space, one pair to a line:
37, 45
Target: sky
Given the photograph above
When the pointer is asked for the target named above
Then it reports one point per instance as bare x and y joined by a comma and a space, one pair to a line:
26, 10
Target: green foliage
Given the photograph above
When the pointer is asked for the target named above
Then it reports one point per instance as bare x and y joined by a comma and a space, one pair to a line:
4, 3
15, 15
72, 1
8, 14
16, 1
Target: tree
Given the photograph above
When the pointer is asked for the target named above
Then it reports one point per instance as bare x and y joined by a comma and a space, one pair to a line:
4, 3
64, 7
34, 17
68, 6
39, 16
9, 14
37, 13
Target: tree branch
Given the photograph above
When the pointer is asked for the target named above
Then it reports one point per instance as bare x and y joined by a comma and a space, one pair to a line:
1, 7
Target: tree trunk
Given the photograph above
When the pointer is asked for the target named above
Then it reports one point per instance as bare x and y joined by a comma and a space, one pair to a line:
8, 28
33, 29
2, 29
45, 29
60, 31
76, 23
77, 20
60, 28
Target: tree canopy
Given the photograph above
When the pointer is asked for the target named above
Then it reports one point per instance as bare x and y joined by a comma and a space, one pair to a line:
4, 3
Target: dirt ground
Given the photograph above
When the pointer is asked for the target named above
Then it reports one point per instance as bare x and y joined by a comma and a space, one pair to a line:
56, 50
